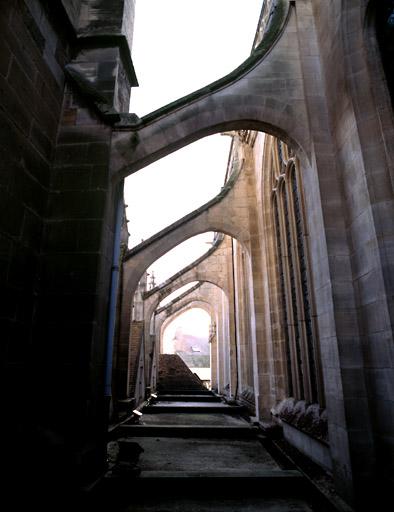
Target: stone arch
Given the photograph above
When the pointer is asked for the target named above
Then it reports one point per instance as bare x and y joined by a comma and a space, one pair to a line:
221, 342
154, 304
191, 304
257, 96
226, 214
211, 268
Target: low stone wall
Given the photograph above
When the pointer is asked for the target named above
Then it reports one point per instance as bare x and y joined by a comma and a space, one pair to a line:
305, 427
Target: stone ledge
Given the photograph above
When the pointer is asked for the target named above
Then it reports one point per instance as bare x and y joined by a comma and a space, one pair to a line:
310, 419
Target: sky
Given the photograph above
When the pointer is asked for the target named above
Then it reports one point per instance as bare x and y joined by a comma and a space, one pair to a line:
180, 46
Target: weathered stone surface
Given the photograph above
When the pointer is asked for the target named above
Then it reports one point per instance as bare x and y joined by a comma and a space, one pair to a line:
317, 82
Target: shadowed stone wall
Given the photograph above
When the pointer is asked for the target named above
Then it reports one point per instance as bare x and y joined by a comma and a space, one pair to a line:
34, 48
317, 82
56, 235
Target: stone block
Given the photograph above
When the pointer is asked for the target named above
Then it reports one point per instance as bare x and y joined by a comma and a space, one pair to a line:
89, 235
369, 287
380, 383
374, 317
71, 309
384, 218
18, 345
78, 204
377, 350
72, 179
71, 155
11, 140
98, 154
41, 141
23, 268
70, 273
353, 382
350, 352
383, 414
36, 165
29, 192
22, 48
81, 135
9, 303
365, 258
32, 229
61, 236
5, 59
13, 107
11, 214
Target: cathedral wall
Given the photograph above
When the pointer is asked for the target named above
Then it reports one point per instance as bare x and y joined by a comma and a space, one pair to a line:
57, 233
33, 50
361, 124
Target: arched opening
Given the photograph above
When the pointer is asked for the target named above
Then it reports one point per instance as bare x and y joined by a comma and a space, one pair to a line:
188, 335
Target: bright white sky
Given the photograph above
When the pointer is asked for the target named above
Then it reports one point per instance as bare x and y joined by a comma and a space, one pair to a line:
180, 46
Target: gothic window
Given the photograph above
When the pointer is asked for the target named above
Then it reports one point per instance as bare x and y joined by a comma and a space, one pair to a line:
294, 281
282, 295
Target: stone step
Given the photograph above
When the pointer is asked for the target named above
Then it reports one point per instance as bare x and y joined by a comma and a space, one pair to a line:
185, 391
193, 408
188, 398
262, 476
231, 483
220, 504
200, 431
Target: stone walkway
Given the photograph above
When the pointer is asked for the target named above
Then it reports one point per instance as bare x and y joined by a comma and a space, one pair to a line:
202, 455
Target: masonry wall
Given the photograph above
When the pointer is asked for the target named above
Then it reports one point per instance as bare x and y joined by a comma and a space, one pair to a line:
57, 229
33, 50
362, 122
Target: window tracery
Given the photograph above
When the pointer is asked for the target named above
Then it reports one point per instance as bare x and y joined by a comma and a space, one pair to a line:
293, 277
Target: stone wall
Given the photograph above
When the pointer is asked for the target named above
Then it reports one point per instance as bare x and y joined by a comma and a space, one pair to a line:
34, 47
57, 231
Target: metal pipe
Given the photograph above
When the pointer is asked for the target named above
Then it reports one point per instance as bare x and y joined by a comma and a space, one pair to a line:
113, 295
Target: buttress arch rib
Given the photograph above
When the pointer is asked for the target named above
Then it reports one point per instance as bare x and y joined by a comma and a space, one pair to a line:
212, 269
227, 213
165, 319
266, 93
206, 293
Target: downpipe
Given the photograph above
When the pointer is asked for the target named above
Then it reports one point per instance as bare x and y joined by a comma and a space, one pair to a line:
113, 299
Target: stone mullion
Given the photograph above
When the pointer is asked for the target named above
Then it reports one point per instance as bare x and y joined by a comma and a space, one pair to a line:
296, 370
295, 256
239, 314
248, 338
277, 295
315, 337
279, 334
